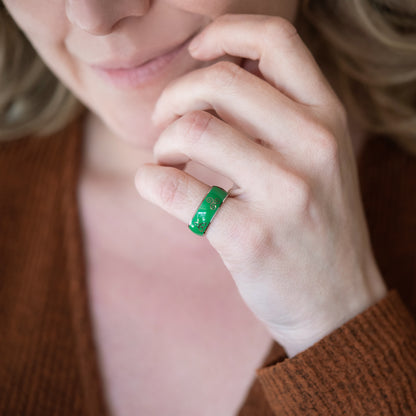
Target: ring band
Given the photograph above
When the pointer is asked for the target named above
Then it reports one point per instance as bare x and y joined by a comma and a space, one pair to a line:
207, 210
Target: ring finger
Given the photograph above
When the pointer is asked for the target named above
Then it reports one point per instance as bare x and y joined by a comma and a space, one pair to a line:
201, 137
180, 194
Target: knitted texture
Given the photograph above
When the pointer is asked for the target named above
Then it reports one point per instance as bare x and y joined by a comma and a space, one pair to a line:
48, 360
47, 354
366, 367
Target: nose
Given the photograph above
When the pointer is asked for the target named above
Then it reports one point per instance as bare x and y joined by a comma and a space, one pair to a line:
99, 17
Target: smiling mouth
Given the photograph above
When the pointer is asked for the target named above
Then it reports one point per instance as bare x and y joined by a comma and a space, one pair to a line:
131, 76
135, 63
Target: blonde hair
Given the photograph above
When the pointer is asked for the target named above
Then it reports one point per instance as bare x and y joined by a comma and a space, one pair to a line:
32, 100
367, 48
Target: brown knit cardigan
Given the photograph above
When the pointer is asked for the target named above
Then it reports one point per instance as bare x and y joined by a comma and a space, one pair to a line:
48, 361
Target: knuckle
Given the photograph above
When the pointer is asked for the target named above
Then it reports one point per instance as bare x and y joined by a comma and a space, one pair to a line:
171, 187
223, 74
279, 29
326, 147
193, 125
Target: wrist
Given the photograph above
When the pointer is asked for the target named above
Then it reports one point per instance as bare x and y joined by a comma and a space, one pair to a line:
296, 340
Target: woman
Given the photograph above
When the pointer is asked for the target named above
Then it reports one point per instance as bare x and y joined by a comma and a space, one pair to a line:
110, 305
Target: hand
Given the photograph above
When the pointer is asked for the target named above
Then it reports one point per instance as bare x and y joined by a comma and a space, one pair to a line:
294, 236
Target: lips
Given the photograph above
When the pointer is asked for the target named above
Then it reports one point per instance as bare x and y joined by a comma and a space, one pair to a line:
138, 71
134, 62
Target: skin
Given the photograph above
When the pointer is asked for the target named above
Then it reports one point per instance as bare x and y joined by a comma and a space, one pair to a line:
303, 262
293, 234
76, 33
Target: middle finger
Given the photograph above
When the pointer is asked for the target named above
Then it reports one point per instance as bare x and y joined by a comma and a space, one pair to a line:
240, 98
202, 137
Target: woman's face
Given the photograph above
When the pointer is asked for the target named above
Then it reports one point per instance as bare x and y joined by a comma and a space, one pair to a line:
96, 48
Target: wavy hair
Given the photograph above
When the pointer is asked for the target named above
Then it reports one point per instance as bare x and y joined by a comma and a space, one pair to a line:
366, 48
32, 100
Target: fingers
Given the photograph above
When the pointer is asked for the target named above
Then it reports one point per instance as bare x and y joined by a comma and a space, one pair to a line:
249, 105
302, 134
171, 189
180, 195
284, 60
240, 98
201, 137
280, 109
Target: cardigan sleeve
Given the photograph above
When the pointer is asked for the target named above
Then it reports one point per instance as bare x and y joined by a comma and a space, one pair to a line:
365, 367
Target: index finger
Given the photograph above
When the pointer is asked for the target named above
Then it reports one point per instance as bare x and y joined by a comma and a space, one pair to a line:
284, 60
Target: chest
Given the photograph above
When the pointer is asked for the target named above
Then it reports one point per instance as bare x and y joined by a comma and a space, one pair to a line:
173, 335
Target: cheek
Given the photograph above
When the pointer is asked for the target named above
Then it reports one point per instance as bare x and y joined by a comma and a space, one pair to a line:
214, 8
45, 24
43, 21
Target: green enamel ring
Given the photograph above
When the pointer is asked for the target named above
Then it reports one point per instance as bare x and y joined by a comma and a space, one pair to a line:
207, 210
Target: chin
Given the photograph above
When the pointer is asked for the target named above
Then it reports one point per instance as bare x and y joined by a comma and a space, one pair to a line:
125, 114
132, 127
